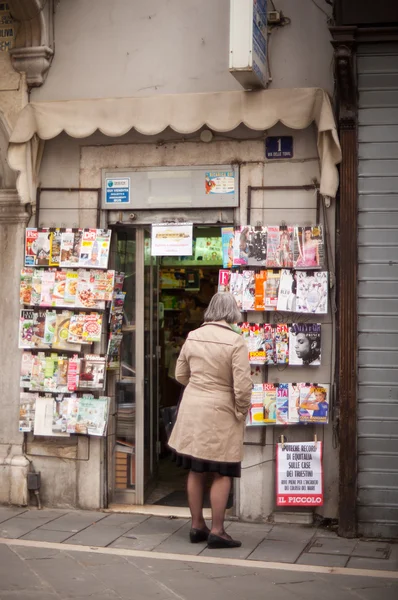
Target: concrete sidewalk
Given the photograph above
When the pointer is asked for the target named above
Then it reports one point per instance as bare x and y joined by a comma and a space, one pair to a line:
292, 544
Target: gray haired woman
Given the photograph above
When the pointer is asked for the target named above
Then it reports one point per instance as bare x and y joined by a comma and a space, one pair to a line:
208, 434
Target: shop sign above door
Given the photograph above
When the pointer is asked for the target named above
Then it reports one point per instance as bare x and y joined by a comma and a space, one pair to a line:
117, 190
279, 147
172, 239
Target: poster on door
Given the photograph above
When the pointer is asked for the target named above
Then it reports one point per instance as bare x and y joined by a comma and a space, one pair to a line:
299, 474
172, 240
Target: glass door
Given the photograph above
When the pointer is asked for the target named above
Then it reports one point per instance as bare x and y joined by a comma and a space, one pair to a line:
135, 450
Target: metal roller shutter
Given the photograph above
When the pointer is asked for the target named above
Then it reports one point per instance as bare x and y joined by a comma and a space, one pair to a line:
378, 290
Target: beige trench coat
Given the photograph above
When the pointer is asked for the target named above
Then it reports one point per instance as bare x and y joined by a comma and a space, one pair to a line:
214, 367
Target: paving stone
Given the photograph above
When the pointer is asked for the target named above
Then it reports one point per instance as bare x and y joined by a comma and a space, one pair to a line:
328, 591
371, 593
88, 560
47, 535
323, 560
98, 535
368, 549
31, 595
30, 553
373, 564
158, 525
8, 512
69, 578
119, 520
325, 533
332, 546
272, 551
178, 543
17, 527
250, 538
291, 533
13, 578
74, 521
46, 514
141, 542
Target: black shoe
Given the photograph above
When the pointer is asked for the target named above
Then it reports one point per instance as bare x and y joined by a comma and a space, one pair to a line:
198, 535
215, 541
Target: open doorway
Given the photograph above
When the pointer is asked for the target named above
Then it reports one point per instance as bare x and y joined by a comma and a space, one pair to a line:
186, 286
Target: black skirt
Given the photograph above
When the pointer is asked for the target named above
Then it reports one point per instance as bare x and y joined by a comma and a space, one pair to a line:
197, 465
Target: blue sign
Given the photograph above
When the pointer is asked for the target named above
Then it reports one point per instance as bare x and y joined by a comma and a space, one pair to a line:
279, 147
117, 190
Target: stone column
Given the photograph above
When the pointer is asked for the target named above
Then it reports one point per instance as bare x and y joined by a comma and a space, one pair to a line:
14, 465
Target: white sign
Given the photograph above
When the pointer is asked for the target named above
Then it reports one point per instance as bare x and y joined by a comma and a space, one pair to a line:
299, 476
172, 240
248, 42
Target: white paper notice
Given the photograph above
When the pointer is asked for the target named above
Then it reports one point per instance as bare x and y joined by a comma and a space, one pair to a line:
172, 240
44, 417
299, 476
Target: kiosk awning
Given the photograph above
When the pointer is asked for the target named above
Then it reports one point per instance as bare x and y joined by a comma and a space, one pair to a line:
184, 113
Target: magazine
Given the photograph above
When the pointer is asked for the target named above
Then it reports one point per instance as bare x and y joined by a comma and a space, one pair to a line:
32, 328
259, 287
61, 332
58, 295
241, 246
280, 247
227, 237
305, 344
67, 259
103, 285
27, 406
44, 415
92, 372
25, 286
117, 303
271, 290
30, 246
116, 324
85, 328
236, 287
224, 277
38, 371
93, 415
36, 287
256, 411
113, 351
308, 247
85, 296
55, 248
47, 288
257, 254
314, 403
70, 290
282, 344
26, 369
269, 343
119, 280
49, 327
282, 404
60, 414
73, 411
73, 373
62, 374
37, 247
255, 342
75, 329
269, 403
50, 373
94, 249
247, 290
294, 401
312, 292
287, 291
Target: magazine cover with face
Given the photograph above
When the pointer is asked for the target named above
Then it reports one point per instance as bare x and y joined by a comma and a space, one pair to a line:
314, 403
312, 292
305, 344
257, 246
308, 247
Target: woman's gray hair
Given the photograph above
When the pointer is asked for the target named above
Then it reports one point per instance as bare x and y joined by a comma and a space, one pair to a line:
223, 307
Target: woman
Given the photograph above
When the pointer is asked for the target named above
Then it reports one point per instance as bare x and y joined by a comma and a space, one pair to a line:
309, 253
208, 434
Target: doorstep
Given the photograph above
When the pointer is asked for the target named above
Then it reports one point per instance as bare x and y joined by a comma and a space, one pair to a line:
155, 510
